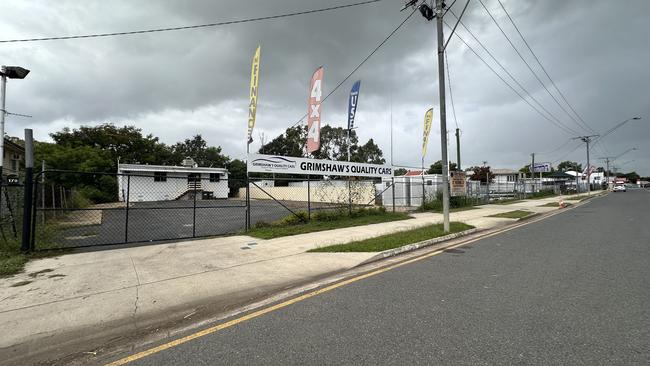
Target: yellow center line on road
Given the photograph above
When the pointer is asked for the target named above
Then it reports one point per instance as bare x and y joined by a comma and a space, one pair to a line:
286, 303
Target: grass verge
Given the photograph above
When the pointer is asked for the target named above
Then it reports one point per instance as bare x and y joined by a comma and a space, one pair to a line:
517, 214
323, 221
13, 261
395, 240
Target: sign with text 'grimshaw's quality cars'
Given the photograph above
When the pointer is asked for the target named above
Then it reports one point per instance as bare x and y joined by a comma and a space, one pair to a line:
258, 163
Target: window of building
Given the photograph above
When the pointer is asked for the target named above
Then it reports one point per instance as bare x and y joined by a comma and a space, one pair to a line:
511, 178
159, 176
215, 177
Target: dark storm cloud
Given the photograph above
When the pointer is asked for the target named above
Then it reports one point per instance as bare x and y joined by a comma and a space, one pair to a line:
180, 83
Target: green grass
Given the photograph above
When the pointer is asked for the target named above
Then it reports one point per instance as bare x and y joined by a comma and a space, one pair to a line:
550, 204
395, 240
326, 222
13, 261
507, 201
517, 214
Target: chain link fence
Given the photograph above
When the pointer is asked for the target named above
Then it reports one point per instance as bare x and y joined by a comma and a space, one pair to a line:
81, 209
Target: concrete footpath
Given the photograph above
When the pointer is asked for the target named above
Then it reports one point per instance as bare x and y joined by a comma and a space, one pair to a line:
102, 296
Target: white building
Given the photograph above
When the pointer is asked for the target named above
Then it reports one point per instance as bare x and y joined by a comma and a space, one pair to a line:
410, 188
167, 183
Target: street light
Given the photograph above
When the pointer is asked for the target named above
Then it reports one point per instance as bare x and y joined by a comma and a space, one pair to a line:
11, 72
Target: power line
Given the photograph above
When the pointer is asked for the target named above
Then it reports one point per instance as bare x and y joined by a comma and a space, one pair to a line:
451, 96
196, 26
561, 126
361, 63
528, 65
569, 153
512, 77
556, 149
544, 69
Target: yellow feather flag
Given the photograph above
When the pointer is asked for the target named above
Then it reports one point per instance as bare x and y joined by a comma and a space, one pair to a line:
252, 106
428, 117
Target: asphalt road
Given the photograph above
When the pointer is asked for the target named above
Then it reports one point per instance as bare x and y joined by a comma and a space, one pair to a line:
569, 290
169, 220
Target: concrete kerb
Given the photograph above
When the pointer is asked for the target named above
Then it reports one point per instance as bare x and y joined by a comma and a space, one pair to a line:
415, 246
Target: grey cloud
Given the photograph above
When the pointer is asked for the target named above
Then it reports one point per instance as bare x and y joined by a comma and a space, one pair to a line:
180, 83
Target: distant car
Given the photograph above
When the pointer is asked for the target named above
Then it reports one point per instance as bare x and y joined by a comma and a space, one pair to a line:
620, 188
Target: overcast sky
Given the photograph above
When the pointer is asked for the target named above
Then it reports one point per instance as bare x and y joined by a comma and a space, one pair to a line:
177, 84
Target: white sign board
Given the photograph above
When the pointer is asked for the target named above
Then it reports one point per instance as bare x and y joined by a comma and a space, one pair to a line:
259, 163
542, 167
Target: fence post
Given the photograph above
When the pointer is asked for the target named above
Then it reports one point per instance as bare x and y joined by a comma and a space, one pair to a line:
308, 197
126, 218
248, 203
392, 180
32, 229
194, 209
423, 189
29, 176
349, 198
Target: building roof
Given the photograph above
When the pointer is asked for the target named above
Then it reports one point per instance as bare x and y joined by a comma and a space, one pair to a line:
411, 173
167, 168
10, 143
503, 171
559, 174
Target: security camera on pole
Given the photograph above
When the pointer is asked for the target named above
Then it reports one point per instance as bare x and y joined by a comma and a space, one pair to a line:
11, 72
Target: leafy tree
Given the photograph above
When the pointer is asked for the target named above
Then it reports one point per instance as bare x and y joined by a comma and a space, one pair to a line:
125, 143
569, 165
631, 176
436, 168
368, 153
197, 148
400, 171
482, 174
96, 187
334, 145
290, 143
236, 175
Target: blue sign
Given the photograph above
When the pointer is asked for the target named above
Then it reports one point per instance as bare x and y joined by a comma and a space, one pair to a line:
354, 101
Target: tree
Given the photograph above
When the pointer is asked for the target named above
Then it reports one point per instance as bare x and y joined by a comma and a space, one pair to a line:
481, 174
632, 177
124, 143
197, 148
436, 168
290, 143
400, 171
569, 165
368, 153
334, 145
236, 175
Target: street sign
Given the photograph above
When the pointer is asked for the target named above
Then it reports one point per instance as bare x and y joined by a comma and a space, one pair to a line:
289, 165
541, 167
458, 184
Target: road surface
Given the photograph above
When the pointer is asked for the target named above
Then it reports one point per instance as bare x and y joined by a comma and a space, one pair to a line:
573, 289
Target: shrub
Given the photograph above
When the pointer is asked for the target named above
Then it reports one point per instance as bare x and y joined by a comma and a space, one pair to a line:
261, 224
327, 215
298, 218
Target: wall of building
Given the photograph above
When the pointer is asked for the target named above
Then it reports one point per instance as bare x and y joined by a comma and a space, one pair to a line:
143, 188
361, 194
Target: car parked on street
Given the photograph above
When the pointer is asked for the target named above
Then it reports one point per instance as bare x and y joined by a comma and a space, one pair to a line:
620, 188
